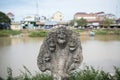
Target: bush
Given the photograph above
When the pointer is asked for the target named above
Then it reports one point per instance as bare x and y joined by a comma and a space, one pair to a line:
107, 31
4, 33
117, 73
102, 32
38, 33
117, 32
88, 73
78, 30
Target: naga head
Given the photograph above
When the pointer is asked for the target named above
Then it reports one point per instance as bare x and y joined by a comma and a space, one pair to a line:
51, 42
73, 43
61, 35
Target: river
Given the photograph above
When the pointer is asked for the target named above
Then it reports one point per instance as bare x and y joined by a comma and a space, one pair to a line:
101, 52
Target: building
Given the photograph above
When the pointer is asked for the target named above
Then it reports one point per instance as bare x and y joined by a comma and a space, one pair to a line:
16, 26
58, 16
11, 16
110, 16
94, 19
118, 21
29, 22
89, 17
50, 24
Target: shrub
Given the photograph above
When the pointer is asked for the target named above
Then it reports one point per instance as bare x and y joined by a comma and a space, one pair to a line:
9, 32
38, 33
88, 73
102, 32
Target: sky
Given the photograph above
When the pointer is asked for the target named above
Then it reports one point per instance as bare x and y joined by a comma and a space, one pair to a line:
22, 8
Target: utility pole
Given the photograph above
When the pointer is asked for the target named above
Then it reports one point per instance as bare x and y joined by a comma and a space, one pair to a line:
118, 9
37, 11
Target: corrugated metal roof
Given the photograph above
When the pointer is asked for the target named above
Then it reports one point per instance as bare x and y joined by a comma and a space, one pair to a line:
50, 23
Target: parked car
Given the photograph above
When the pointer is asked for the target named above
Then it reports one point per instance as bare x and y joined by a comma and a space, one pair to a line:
4, 26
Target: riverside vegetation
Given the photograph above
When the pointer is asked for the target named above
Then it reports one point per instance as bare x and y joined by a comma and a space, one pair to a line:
6, 33
38, 33
43, 33
88, 73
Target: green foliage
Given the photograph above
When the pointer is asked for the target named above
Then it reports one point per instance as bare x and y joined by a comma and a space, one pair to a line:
42, 77
88, 73
78, 30
4, 18
102, 32
107, 31
1, 78
71, 23
38, 33
117, 73
9, 71
81, 22
4, 33
117, 32
107, 22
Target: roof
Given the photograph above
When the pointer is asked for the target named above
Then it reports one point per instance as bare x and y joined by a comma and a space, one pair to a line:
28, 17
78, 13
100, 12
10, 14
39, 22
50, 23
82, 14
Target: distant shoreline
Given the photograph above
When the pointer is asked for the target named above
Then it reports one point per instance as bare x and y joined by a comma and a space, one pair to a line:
43, 33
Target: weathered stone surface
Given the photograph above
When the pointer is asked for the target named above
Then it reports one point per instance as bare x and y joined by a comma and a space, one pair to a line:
61, 52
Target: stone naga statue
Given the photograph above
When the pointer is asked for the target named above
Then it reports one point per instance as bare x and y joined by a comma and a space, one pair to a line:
61, 53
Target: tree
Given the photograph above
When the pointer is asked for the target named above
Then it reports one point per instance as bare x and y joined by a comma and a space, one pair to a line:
107, 22
4, 21
71, 23
4, 18
81, 22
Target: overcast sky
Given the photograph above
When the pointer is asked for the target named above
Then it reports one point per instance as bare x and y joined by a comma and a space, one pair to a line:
21, 8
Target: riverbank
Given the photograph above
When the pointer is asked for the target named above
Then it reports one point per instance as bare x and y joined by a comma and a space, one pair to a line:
99, 32
7, 33
43, 33
88, 73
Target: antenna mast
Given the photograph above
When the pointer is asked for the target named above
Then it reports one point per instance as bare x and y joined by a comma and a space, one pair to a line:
37, 11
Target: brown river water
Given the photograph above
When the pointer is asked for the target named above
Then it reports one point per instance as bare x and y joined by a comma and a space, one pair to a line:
101, 52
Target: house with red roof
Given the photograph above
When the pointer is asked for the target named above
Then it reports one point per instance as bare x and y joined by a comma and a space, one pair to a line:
11, 16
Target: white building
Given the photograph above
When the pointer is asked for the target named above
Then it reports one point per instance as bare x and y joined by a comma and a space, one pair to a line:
11, 16
16, 26
58, 16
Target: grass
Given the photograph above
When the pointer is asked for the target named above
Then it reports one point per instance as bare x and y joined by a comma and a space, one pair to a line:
102, 31
88, 73
39, 33
107, 32
78, 30
43, 33
4, 33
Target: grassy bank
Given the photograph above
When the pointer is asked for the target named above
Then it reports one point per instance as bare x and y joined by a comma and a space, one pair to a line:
99, 31
78, 30
43, 33
88, 73
107, 32
38, 33
6, 33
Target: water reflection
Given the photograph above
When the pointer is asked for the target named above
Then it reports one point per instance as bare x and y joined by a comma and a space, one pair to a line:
4, 41
101, 38
98, 51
